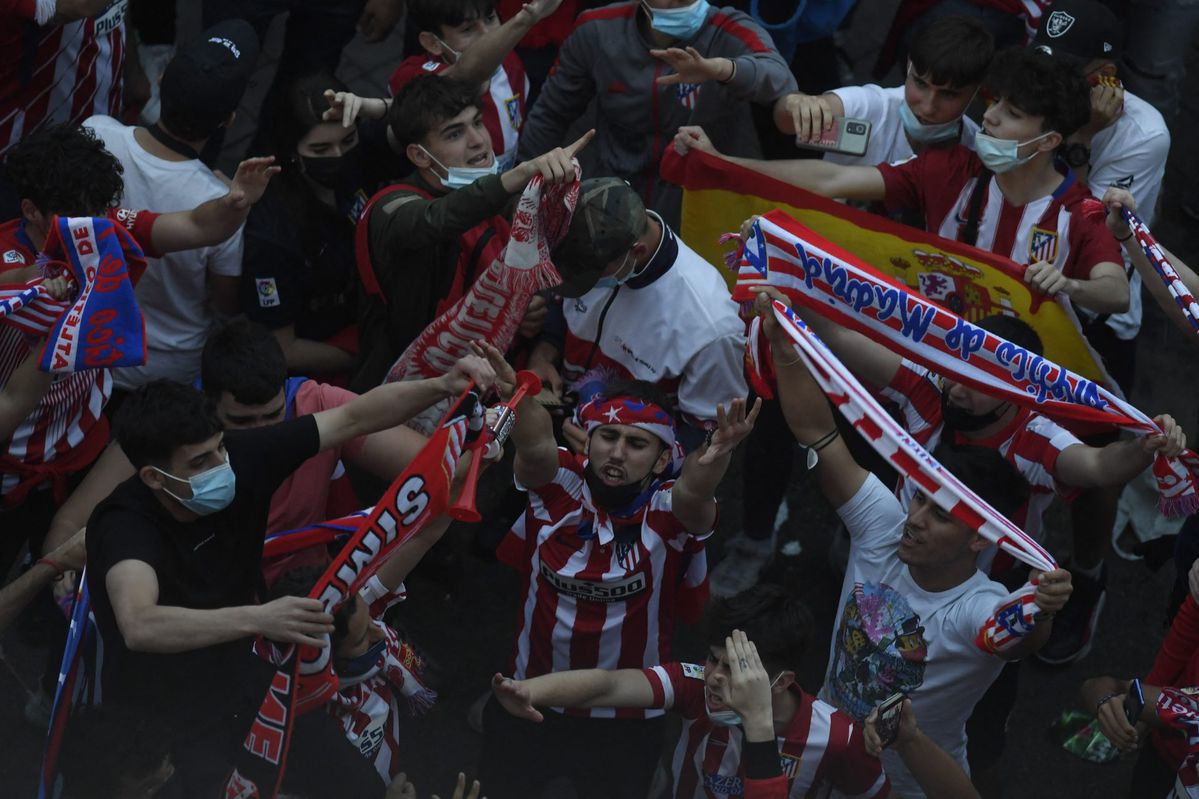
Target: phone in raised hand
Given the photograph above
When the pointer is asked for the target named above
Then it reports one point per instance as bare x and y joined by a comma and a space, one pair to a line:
848, 136
1134, 702
887, 724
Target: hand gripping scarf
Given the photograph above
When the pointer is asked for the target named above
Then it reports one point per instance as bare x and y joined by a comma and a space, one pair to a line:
492, 309
783, 253
305, 679
102, 326
1165, 270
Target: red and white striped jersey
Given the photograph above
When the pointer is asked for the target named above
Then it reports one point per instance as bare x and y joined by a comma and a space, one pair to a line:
503, 105
591, 601
370, 707
51, 74
820, 752
940, 183
67, 430
1031, 443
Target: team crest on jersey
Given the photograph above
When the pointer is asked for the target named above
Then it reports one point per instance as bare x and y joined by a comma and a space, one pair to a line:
687, 94
13, 257
1042, 246
431, 66
627, 555
268, 292
512, 106
789, 764
692, 671
1058, 23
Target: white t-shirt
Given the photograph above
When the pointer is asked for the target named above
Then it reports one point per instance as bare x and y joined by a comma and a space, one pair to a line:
888, 143
1131, 154
173, 292
892, 635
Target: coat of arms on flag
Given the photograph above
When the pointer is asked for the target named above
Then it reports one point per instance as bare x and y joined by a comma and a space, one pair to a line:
1042, 246
688, 94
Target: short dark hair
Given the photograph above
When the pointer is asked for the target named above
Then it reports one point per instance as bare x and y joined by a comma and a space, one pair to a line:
432, 15
65, 170
245, 359
427, 102
300, 582
106, 745
1043, 86
986, 473
777, 623
1014, 330
954, 51
160, 417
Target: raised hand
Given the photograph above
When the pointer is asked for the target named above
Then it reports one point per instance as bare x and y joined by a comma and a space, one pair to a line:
690, 66
1045, 278
1170, 442
348, 107
1116, 201
692, 137
503, 375
1053, 589
556, 166
250, 181
378, 18
749, 682
812, 115
540, 9
469, 369
731, 429
294, 620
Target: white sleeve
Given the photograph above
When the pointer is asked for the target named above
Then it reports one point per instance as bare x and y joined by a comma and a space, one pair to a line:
715, 374
1139, 169
867, 102
45, 11
873, 516
225, 258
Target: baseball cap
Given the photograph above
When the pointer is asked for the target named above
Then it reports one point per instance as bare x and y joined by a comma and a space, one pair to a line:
1079, 31
207, 78
607, 221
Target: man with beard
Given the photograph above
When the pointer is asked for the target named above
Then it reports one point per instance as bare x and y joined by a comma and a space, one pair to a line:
608, 547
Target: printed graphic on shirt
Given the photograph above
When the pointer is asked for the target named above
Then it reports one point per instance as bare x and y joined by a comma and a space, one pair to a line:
268, 292
13, 257
111, 18
1042, 246
611, 591
693, 671
729, 784
880, 650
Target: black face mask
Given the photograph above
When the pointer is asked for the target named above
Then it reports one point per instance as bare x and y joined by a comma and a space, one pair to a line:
612, 499
342, 173
962, 421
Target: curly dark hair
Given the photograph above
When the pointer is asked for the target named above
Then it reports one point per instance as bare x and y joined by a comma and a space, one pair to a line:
429, 101
777, 622
65, 170
1042, 86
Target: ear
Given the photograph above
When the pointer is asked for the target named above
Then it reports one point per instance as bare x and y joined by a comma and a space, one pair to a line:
429, 42
31, 213
1051, 142
978, 543
152, 478
785, 680
418, 157
663, 460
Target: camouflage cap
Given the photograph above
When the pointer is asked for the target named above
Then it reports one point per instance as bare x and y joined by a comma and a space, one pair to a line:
608, 220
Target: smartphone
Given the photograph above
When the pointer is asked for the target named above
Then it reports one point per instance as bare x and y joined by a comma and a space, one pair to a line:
848, 136
888, 718
1134, 702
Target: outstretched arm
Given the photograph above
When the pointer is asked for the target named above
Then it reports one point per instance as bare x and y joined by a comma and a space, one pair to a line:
938, 774
1117, 463
533, 433
821, 177
576, 688
692, 497
480, 60
809, 416
212, 222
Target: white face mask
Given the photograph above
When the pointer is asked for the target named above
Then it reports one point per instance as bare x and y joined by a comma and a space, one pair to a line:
456, 53
458, 176
1002, 155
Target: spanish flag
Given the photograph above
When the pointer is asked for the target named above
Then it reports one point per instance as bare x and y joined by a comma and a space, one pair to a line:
718, 196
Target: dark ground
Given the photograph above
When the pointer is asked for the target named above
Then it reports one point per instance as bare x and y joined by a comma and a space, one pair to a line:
468, 635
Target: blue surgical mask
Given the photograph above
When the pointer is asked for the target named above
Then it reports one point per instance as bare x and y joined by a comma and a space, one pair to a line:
212, 490
612, 281
919, 133
357, 666
680, 23
1001, 155
457, 177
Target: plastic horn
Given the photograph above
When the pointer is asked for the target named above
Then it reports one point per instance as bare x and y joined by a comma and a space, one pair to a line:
465, 510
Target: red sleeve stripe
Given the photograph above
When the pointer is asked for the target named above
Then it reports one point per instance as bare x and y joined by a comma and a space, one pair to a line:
743, 34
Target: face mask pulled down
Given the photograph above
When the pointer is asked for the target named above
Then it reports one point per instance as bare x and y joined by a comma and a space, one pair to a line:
1002, 155
457, 177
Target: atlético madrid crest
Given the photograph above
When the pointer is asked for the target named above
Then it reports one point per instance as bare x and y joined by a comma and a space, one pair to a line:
1042, 246
1059, 22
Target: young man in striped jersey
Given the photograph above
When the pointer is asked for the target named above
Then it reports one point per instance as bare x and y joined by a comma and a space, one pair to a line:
748, 728
610, 551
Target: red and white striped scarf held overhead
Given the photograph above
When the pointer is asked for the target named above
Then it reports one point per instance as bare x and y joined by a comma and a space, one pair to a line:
1165, 270
815, 273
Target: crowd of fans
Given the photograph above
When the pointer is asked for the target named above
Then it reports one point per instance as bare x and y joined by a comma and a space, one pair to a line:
277, 391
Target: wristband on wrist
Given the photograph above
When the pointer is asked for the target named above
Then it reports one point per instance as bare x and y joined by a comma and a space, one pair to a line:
58, 568
1104, 700
732, 71
1125, 238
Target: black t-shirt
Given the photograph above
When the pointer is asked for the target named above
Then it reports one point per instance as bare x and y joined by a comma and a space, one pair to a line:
211, 562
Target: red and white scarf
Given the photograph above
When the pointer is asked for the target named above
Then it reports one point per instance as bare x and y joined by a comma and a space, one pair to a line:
813, 272
493, 307
1165, 270
902, 451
